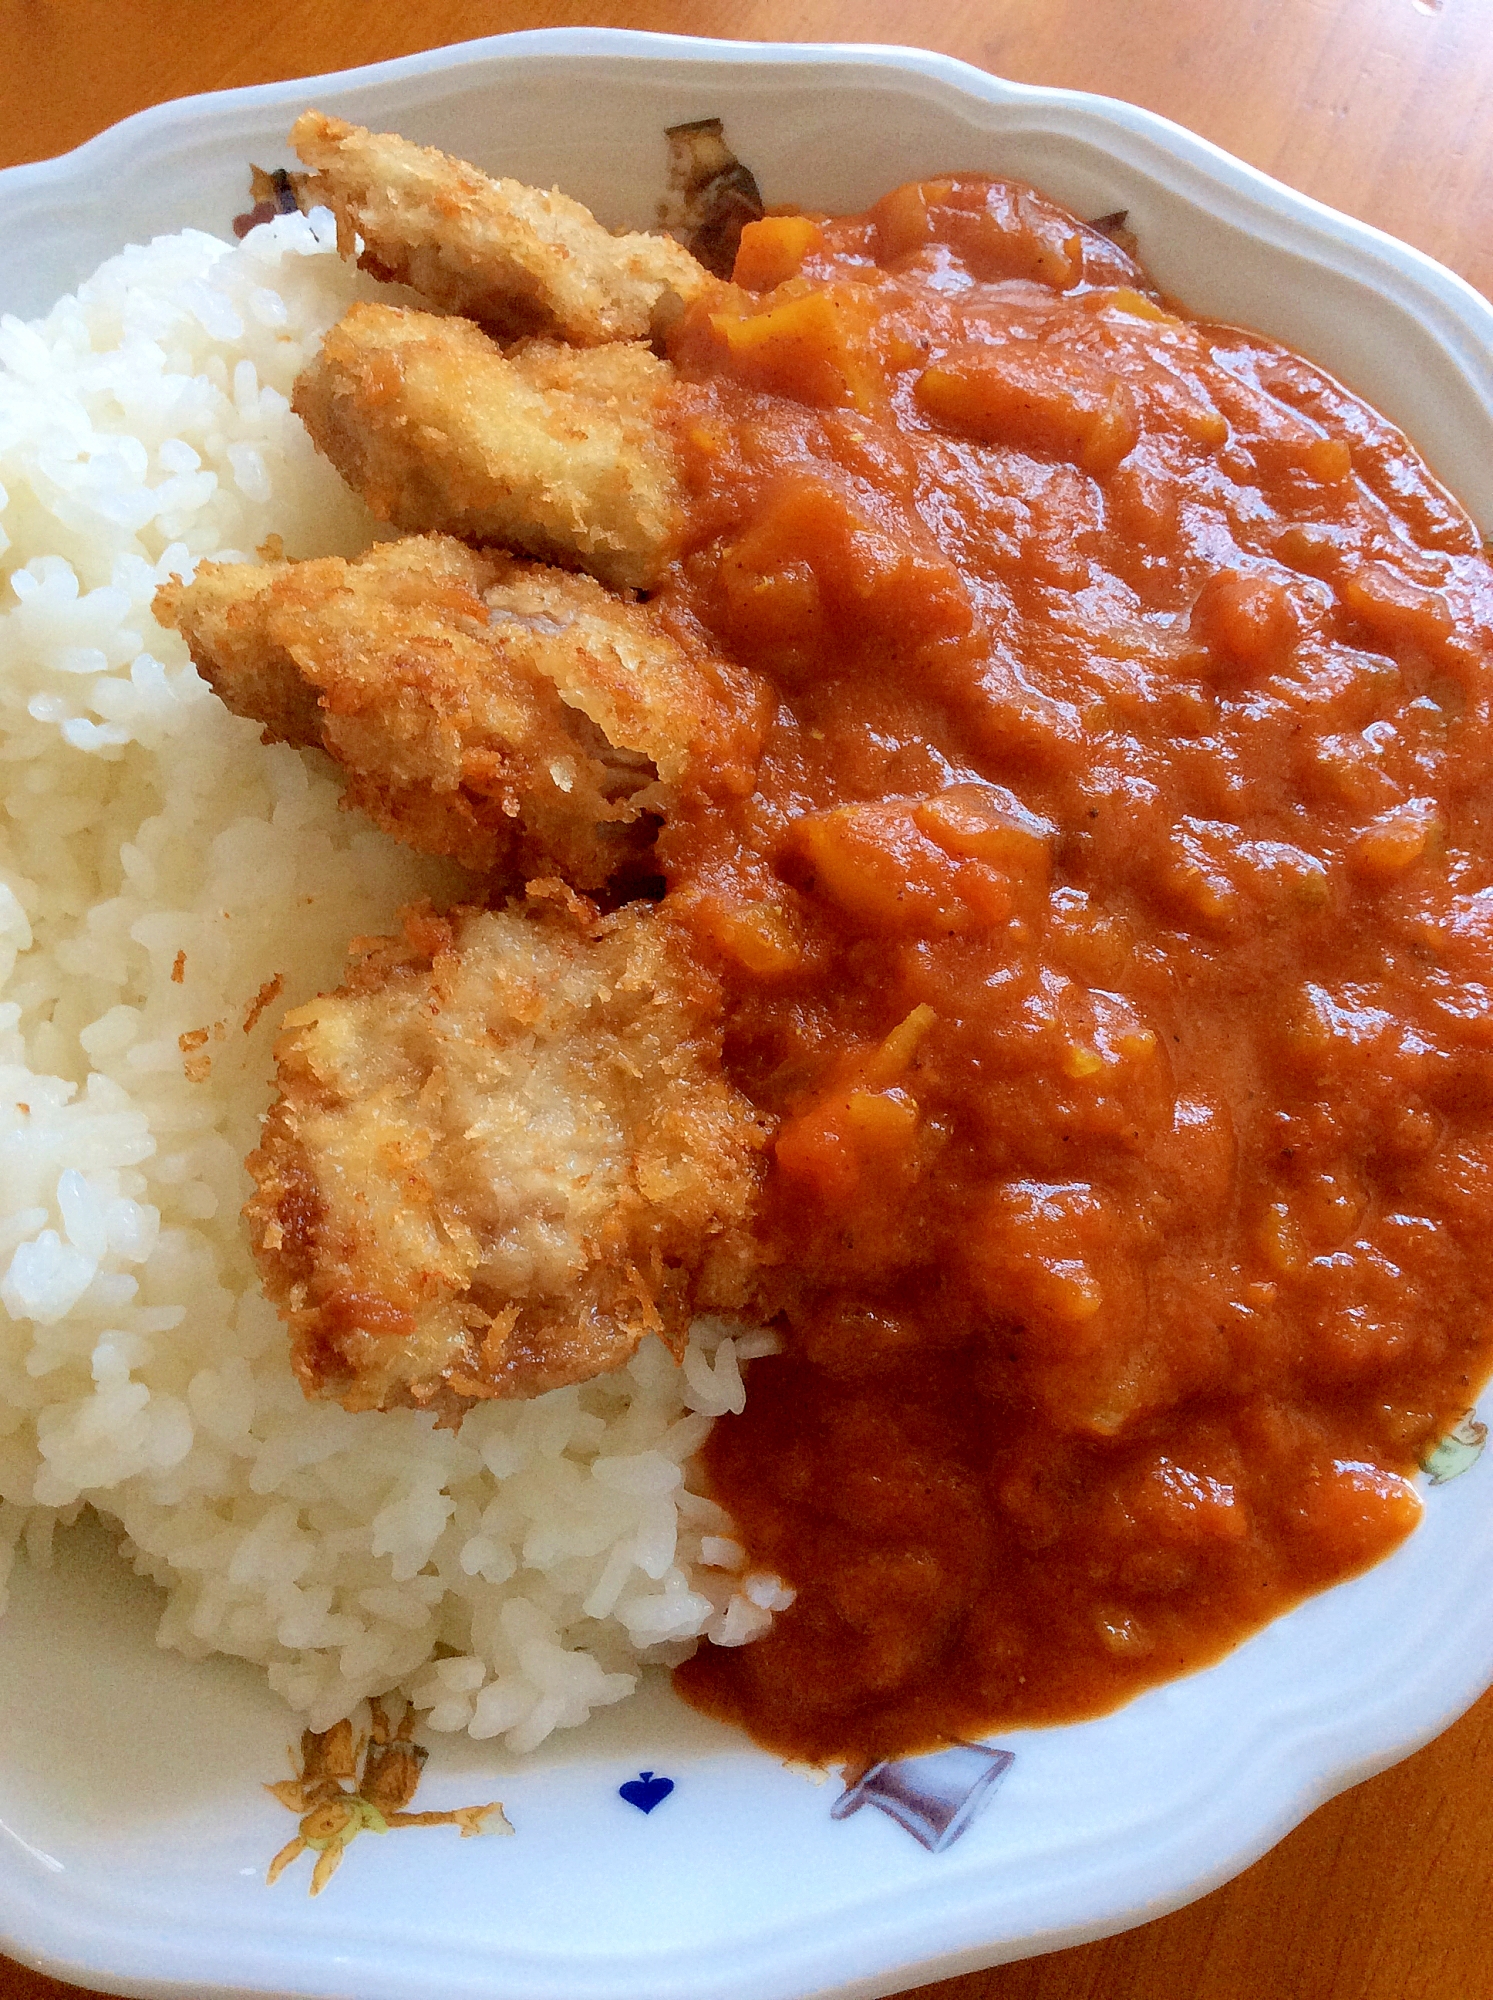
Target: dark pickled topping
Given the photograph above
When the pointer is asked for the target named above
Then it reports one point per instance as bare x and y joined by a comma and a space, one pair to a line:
712, 196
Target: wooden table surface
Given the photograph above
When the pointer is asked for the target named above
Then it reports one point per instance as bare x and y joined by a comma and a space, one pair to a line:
1376, 106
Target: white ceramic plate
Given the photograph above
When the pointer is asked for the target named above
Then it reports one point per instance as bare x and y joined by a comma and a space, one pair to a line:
134, 1832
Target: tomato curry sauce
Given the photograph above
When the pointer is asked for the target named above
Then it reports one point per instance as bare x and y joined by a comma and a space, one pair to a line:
1110, 929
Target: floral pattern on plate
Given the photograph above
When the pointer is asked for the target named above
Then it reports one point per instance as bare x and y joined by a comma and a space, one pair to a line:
337, 1802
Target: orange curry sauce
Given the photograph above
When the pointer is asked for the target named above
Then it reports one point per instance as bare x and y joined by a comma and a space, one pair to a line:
1111, 931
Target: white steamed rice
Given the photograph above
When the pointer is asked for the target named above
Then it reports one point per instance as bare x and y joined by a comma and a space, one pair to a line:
159, 868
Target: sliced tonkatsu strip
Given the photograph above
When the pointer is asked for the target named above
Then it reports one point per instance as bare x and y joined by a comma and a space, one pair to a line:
502, 1154
552, 450
519, 259
514, 717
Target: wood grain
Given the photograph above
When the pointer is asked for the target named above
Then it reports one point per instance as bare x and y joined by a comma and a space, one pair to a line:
1375, 106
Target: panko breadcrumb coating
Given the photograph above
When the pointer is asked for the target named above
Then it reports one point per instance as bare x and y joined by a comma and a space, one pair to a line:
505, 1150
511, 716
516, 258
552, 450
502, 1154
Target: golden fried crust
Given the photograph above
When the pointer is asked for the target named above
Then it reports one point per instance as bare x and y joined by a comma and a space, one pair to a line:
518, 259
502, 1153
554, 451
222, 618
504, 714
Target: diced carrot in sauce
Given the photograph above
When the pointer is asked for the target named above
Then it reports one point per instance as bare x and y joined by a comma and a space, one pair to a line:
1125, 299
882, 870
1396, 839
1356, 1511
1034, 1247
1248, 623
997, 228
1037, 399
1395, 608
816, 574
773, 250
831, 1147
976, 822
1181, 1504
813, 348
759, 936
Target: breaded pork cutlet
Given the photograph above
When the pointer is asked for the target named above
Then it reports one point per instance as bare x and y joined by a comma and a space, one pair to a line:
514, 717
520, 260
501, 1155
553, 450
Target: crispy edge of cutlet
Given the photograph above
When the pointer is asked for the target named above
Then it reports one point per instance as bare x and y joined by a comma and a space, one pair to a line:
522, 260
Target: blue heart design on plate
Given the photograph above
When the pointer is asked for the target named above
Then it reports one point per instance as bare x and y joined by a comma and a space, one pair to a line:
645, 1791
